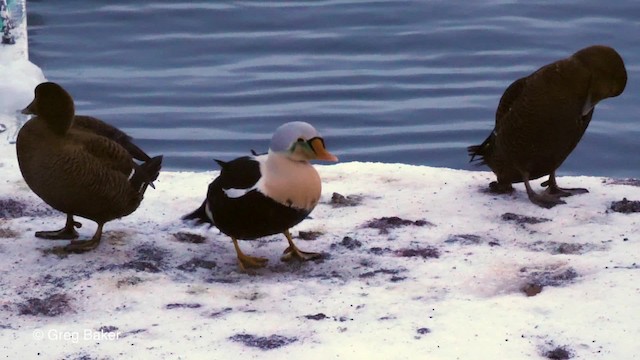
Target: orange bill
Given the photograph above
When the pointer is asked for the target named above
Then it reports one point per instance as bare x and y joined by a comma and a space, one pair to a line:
317, 144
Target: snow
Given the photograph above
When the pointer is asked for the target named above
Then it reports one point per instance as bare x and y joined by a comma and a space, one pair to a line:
451, 281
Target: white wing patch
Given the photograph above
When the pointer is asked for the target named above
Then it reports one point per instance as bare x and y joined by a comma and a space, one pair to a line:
236, 193
233, 193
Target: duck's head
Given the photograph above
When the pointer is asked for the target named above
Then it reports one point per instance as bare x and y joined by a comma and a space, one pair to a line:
609, 76
299, 141
54, 104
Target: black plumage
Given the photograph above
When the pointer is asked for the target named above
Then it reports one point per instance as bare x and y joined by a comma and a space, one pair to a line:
542, 117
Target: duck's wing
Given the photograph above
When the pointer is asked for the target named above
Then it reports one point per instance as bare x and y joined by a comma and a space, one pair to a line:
99, 127
583, 124
239, 176
105, 153
510, 97
236, 179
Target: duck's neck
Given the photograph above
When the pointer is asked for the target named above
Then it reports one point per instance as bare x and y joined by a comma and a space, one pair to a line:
59, 118
60, 126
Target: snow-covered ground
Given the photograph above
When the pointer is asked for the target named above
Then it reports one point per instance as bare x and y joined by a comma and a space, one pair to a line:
419, 263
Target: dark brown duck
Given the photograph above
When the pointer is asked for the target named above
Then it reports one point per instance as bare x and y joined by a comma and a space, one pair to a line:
80, 165
541, 118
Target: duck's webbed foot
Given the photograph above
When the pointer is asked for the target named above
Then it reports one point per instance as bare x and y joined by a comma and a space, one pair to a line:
295, 253
247, 262
496, 187
292, 252
86, 245
82, 246
545, 199
563, 192
251, 262
68, 232
554, 189
63, 234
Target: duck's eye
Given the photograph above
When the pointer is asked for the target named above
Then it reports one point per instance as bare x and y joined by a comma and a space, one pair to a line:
300, 140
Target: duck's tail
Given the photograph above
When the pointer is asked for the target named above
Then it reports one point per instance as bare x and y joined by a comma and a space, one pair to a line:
203, 215
145, 174
479, 153
200, 215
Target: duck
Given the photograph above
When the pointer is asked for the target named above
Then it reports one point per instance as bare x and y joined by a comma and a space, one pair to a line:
541, 118
80, 165
266, 194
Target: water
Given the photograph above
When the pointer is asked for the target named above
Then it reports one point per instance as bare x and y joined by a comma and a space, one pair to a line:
392, 81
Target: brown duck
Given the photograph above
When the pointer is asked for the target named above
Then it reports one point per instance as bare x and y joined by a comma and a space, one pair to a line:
541, 118
80, 165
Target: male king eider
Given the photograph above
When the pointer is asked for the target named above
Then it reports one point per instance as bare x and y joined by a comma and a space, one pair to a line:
261, 195
80, 165
541, 118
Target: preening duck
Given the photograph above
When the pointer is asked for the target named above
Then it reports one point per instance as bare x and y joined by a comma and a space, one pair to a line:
260, 195
80, 165
541, 118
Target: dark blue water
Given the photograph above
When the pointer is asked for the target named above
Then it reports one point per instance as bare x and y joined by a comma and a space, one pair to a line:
391, 81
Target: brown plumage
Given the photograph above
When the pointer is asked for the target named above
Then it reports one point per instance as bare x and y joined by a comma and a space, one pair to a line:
541, 118
80, 165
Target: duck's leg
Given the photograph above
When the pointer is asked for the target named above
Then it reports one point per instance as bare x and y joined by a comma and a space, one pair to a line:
86, 245
68, 232
292, 252
246, 261
545, 199
554, 189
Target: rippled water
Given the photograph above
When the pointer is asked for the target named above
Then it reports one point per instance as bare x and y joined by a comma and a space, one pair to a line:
392, 81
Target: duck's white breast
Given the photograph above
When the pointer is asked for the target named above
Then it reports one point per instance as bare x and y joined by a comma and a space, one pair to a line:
291, 183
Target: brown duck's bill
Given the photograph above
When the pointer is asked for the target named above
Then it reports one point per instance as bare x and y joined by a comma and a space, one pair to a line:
29, 109
317, 144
